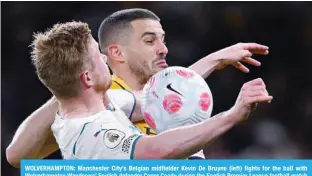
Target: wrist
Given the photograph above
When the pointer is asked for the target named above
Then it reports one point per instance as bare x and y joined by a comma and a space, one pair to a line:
213, 60
214, 57
234, 115
217, 59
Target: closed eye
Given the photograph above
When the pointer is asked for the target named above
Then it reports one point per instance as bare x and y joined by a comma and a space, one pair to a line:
149, 42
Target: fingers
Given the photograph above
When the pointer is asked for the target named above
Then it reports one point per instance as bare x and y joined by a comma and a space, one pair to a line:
257, 88
246, 57
247, 60
255, 91
245, 53
241, 67
255, 48
248, 46
259, 51
258, 99
242, 52
252, 93
251, 61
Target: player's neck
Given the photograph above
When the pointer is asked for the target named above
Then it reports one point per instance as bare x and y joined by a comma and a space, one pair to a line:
85, 105
129, 78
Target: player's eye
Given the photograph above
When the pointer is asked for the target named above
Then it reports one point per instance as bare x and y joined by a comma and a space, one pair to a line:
149, 42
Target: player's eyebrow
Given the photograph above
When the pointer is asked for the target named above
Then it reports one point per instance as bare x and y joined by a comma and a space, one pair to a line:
151, 33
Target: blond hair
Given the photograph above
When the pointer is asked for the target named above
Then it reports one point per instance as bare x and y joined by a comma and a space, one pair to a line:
60, 54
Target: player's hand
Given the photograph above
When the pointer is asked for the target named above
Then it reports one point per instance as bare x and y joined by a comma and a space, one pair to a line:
240, 53
251, 93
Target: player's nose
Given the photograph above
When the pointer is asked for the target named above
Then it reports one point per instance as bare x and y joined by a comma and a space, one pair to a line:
162, 49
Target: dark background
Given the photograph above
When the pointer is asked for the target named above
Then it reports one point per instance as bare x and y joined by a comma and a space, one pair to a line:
193, 30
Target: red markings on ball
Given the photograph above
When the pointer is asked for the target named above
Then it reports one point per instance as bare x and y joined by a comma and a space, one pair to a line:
149, 120
204, 101
185, 74
172, 103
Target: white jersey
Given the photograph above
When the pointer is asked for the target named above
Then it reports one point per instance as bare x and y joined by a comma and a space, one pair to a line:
106, 135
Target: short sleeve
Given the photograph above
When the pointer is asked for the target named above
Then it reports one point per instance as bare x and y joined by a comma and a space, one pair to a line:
108, 137
123, 99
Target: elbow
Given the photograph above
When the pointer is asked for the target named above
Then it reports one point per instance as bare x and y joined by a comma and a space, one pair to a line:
12, 158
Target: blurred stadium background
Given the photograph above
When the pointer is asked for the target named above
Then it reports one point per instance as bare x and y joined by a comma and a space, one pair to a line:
193, 29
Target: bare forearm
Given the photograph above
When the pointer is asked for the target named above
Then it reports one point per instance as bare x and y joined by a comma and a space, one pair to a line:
32, 134
185, 141
206, 65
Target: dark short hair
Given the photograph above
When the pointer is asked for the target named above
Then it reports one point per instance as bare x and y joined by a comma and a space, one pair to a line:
114, 26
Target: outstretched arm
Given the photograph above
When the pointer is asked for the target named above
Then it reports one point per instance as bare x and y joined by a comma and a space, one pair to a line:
184, 141
197, 136
232, 55
34, 138
172, 144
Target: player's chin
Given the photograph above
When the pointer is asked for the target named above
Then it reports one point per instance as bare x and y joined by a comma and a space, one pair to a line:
161, 67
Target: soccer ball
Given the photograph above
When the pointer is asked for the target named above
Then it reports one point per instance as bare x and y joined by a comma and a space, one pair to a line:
174, 97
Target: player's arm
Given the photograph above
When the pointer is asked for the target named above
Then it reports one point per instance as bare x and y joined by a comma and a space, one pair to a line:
180, 143
34, 138
184, 141
136, 113
233, 55
110, 139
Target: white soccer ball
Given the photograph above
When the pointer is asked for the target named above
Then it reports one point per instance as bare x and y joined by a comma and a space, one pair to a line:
174, 97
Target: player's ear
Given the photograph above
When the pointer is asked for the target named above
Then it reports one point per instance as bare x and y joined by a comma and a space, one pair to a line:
115, 53
86, 79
